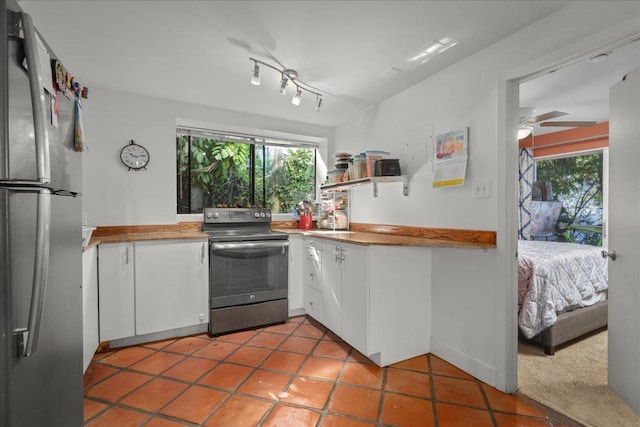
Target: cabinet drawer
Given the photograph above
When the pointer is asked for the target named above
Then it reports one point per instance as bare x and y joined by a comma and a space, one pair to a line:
313, 250
312, 274
313, 303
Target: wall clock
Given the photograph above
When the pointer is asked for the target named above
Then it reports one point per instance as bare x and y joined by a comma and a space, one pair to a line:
134, 156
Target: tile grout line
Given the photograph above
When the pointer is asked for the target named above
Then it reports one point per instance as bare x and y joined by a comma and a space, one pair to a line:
432, 384
487, 404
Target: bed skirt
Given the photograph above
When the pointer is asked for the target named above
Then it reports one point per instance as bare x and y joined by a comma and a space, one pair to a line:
572, 325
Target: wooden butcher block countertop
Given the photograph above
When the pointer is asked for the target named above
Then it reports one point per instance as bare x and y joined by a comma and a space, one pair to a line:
391, 235
136, 233
359, 234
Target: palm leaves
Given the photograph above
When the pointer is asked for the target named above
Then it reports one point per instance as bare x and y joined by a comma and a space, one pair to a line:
220, 174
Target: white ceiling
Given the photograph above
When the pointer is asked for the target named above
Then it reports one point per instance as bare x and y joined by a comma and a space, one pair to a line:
581, 89
198, 51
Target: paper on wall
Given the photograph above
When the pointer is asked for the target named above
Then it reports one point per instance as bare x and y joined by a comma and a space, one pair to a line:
451, 158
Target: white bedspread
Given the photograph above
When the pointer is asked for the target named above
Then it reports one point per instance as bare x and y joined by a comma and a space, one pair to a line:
554, 277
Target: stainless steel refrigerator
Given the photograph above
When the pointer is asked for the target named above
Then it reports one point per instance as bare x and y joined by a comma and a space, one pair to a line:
40, 238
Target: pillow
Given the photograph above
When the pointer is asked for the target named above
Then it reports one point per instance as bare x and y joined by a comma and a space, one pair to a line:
544, 216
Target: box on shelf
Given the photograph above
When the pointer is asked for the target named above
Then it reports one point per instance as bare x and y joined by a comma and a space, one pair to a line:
372, 157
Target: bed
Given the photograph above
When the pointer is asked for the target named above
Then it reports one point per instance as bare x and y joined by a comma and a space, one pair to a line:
562, 291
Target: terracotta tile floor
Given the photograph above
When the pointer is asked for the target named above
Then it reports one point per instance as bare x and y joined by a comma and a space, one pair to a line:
294, 374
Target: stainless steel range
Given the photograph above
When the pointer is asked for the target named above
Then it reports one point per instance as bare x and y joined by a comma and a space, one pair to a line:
248, 269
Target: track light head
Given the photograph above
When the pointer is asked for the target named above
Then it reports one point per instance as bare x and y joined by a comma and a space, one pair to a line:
255, 79
318, 103
297, 97
283, 84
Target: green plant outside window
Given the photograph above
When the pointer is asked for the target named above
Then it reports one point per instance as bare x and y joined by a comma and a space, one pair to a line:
233, 174
577, 182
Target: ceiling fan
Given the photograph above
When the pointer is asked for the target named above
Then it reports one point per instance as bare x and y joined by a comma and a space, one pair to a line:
528, 121
526, 118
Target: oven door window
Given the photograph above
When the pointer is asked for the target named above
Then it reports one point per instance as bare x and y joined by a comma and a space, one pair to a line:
248, 272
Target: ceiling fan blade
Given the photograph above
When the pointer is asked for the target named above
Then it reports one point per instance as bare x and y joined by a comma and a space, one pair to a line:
573, 124
546, 116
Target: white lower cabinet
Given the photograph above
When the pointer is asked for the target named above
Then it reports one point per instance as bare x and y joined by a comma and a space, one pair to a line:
399, 303
355, 296
90, 331
116, 290
375, 297
171, 282
152, 286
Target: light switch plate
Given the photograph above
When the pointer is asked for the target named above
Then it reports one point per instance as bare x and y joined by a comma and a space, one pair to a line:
481, 189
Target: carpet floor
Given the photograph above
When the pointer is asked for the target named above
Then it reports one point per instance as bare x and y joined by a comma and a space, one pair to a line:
574, 382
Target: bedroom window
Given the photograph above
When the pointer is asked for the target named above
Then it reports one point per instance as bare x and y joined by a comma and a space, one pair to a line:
227, 170
577, 182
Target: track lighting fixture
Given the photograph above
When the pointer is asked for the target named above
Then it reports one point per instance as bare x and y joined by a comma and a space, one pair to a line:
287, 75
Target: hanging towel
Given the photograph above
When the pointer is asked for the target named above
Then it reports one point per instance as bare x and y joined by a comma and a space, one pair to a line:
78, 135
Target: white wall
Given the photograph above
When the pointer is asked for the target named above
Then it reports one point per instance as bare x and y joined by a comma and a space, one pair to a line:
114, 196
473, 296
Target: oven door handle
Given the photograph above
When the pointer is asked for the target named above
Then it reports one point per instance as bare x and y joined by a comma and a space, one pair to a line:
249, 245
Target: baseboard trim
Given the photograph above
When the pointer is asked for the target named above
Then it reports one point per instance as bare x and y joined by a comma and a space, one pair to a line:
461, 360
156, 336
295, 312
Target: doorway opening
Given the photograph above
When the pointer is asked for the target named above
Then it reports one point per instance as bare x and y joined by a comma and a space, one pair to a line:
538, 374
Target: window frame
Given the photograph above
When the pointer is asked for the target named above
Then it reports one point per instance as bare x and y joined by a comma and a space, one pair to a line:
255, 138
604, 151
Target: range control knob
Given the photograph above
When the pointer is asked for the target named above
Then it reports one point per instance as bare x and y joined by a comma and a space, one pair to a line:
257, 215
268, 214
216, 214
262, 215
209, 215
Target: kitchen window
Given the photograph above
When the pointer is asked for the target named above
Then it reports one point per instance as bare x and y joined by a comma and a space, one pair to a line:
220, 169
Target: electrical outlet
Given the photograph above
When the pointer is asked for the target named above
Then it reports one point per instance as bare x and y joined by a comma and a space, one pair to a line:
481, 189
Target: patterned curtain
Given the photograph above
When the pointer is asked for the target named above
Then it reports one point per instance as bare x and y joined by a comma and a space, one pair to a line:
525, 180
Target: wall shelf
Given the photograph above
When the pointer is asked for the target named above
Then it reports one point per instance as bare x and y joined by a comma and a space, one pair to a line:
374, 180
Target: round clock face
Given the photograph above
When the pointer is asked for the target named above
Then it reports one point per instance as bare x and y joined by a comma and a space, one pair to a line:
134, 156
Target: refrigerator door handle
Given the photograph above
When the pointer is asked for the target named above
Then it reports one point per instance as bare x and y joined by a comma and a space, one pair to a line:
27, 339
36, 86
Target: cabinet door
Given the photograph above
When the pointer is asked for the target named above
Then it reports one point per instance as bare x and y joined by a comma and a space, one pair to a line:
296, 261
332, 286
90, 337
172, 281
355, 297
116, 291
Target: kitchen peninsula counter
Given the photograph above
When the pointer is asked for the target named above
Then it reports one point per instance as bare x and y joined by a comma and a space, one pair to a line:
386, 239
